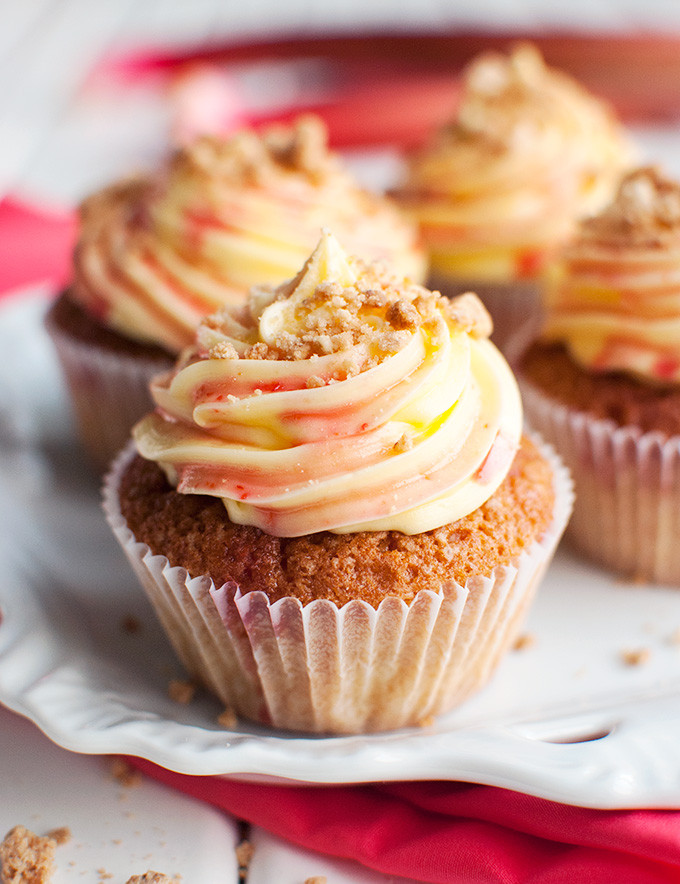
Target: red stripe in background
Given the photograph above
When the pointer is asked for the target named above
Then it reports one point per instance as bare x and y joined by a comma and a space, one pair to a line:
387, 79
35, 245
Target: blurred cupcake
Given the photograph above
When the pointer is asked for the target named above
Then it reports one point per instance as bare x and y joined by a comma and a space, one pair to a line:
603, 381
495, 192
157, 254
332, 507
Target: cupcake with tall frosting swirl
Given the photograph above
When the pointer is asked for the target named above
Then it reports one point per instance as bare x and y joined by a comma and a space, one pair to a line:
339, 463
497, 190
158, 253
603, 379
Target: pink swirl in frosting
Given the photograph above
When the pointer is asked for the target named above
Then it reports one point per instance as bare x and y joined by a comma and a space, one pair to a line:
157, 254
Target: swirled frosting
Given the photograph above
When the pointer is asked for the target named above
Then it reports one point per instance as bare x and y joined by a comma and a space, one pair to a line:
343, 400
157, 254
529, 153
615, 296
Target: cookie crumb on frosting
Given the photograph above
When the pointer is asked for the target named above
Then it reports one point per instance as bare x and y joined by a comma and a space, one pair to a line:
645, 211
257, 158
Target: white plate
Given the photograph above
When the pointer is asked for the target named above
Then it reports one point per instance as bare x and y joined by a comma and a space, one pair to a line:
565, 719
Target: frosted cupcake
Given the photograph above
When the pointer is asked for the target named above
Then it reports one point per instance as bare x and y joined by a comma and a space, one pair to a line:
603, 381
157, 254
332, 507
501, 186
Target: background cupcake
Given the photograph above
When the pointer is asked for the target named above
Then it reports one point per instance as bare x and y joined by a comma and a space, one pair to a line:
529, 152
603, 381
338, 471
157, 254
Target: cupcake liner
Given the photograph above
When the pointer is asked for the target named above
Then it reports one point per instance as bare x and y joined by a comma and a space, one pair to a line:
355, 669
515, 306
627, 511
109, 392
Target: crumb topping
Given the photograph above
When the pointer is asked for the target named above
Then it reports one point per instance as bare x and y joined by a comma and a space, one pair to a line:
367, 322
645, 211
508, 97
254, 158
26, 858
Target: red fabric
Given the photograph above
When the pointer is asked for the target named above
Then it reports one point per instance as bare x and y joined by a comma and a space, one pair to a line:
35, 245
454, 833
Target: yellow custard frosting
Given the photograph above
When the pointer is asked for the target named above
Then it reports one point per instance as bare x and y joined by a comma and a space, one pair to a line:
615, 296
343, 400
157, 254
530, 152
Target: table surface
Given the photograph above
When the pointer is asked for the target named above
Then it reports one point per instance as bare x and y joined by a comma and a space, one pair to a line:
56, 148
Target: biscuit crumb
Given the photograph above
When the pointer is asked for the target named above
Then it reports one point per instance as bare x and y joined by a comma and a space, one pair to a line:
223, 350
151, 877
469, 312
130, 624
60, 836
636, 657
181, 691
524, 641
26, 858
244, 855
104, 875
124, 774
227, 719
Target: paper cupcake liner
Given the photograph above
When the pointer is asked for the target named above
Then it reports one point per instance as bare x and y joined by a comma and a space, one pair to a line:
109, 392
627, 511
515, 307
355, 669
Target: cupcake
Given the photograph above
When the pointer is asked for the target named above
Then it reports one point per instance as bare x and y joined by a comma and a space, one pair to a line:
332, 508
495, 191
603, 380
158, 253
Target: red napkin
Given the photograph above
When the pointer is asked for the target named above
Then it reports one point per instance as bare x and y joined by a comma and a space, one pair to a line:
35, 245
454, 833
